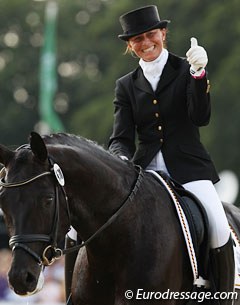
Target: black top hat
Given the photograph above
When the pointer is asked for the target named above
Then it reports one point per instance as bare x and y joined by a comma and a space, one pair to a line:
140, 21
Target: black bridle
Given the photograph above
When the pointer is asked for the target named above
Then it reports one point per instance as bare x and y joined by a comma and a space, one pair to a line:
19, 241
51, 252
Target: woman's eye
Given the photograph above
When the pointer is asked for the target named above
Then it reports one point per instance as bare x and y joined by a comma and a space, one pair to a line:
151, 34
138, 39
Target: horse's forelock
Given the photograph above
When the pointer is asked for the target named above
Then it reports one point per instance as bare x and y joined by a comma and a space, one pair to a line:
21, 159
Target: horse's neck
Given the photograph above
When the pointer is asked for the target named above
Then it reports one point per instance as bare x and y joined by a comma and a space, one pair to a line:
96, 189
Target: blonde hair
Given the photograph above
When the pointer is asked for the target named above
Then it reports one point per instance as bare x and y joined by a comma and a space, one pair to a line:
128, 50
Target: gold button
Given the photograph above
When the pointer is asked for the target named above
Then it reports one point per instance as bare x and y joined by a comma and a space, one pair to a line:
208, 86
159, 127
156, 115
155, 102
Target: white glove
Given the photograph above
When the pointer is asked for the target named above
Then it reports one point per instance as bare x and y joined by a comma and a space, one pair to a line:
197, 58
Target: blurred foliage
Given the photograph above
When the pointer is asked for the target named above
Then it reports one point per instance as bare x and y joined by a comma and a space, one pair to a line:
90, 59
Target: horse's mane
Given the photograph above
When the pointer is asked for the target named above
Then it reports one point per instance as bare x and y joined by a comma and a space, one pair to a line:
66, 139
89, 146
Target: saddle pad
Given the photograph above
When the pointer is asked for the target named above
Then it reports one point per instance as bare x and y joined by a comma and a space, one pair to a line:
236, 249
184, 225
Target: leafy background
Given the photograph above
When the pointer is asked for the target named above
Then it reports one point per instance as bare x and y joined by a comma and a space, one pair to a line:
90, 58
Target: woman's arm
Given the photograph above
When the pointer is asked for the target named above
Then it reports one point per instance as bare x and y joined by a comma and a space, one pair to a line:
122, 140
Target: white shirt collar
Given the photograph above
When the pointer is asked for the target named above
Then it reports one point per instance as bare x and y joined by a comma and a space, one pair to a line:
156, 66
152, 70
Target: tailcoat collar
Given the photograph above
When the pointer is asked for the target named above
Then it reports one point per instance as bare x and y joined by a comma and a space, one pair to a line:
169, 73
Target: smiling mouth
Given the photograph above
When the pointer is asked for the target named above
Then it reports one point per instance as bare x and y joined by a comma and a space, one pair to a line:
149, 49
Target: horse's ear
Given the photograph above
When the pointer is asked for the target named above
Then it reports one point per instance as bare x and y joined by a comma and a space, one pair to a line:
6, 155
38, 146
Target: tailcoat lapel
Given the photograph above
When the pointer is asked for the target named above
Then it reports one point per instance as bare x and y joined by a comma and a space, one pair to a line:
141, 82
169, 73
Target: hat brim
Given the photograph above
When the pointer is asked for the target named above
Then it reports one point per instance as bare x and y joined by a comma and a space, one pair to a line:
160, 25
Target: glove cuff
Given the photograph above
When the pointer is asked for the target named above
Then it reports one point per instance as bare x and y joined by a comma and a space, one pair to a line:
197, 73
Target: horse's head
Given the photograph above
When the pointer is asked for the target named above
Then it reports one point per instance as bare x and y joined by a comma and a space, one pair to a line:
33, 202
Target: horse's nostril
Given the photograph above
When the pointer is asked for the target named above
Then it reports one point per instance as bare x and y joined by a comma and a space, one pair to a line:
22, 281
30, 278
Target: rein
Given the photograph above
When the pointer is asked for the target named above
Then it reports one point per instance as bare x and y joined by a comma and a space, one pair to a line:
113, 217
18, 241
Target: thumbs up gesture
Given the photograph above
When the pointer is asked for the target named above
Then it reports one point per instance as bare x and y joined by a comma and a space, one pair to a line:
197, 58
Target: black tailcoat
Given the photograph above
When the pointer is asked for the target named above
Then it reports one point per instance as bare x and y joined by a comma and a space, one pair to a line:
168, 119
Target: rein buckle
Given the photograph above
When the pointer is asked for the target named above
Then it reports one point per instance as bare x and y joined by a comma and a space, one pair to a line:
56, 253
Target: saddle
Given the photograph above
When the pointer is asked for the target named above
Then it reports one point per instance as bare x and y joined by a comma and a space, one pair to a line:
197, 221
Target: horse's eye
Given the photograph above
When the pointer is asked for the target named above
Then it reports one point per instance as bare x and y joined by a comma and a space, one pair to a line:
47, 201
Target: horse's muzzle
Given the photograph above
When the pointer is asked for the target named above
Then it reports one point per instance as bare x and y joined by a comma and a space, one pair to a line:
25, 279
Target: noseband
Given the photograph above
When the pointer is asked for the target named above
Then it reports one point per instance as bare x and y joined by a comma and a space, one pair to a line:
20, 241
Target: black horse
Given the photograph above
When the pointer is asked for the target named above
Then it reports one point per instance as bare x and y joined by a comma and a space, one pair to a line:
139, 246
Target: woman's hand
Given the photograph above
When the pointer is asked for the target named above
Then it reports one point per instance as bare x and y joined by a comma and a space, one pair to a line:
197, 58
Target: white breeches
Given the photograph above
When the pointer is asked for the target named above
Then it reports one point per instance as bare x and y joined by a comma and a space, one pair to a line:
207, 194
218, 224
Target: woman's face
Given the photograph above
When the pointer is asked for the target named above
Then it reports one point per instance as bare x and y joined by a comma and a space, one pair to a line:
148, 45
